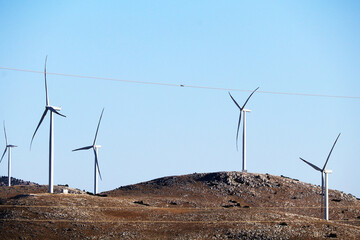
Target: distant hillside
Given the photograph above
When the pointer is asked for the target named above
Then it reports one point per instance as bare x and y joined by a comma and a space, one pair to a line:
14, 181
221, 205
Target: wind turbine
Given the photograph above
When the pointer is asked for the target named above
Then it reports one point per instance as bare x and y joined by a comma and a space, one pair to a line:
52, 110
95, 148
243, 110
8, 146
324, 174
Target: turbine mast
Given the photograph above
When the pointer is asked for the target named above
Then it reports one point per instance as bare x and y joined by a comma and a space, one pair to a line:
9, 167
242, 111
244, 144
95, 148
324, 174
52, 110
51, 154
327, 194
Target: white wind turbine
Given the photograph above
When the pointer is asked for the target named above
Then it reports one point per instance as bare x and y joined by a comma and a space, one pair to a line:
324, 174
52, 110
242, 111
8, 146
95, 148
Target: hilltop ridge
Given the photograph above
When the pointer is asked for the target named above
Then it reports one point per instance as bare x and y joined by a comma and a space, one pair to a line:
253, 189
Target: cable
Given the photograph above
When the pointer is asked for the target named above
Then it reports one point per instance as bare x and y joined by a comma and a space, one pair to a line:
180, 85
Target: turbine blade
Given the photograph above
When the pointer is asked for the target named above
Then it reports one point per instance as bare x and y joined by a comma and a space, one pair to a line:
42, 118
312, 165
46, 91
54, 111
83, 148
234, 101
98, 126
3, 154
97, 163
5, 134
249, 97
237, 132
330, 152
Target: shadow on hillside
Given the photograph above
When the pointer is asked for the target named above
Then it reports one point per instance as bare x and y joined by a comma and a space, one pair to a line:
20, 196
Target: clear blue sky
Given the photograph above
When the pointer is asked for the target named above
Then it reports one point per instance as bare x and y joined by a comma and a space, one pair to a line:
151, 131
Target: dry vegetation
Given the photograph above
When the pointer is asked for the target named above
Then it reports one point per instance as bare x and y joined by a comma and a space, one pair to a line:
225, 205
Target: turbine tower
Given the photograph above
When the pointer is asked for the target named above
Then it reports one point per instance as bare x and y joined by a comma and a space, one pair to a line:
52, 110
8, 146
324, 174
242, 111
95, 148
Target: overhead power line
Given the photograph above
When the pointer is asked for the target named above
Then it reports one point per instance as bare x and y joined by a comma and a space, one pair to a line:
179, 85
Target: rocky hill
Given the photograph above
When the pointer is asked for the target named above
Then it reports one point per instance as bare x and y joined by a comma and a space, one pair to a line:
222, 205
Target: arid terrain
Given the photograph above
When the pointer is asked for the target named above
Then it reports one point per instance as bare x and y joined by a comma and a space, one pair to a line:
222, 205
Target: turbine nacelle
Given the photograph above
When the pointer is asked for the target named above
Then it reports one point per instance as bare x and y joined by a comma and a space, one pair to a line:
53, 108
246, 110
97, 146
328, 171
11, 146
